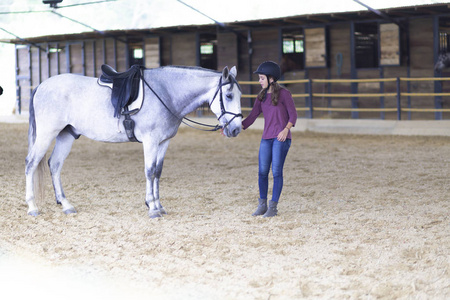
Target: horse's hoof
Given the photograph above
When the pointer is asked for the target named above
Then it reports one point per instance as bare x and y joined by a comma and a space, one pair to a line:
34, 213
70, 211
154, 214
163, 211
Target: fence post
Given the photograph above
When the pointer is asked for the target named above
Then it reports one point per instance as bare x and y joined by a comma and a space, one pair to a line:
310, 98
354, 88
399, 106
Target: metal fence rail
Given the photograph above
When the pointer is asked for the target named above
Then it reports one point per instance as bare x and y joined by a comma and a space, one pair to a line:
310, 97
397, 95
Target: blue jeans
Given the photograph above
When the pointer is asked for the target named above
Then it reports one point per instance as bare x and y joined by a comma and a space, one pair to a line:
272, 152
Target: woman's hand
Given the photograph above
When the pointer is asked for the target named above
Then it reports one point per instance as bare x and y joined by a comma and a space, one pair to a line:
283, 135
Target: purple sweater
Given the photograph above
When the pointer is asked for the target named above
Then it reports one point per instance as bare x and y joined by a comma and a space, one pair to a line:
275, 117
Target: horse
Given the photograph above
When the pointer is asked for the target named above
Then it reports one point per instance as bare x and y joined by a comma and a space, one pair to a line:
65, 106
442, 62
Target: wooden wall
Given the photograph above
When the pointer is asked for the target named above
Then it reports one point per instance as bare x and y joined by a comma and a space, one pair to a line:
266, 46
86, 58
151, 52
183, 49
227, 50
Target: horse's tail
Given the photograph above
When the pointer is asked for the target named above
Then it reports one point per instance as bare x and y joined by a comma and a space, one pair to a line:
31, 122
39, 175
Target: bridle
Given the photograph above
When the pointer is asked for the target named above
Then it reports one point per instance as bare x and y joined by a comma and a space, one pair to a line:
222, 106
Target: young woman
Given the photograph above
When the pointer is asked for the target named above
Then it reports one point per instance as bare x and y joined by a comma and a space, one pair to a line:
280, 115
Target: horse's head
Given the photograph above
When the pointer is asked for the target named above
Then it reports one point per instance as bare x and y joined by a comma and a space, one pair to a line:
442, 62
226, 104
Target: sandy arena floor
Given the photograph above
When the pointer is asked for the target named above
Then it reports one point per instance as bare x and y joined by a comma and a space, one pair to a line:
361, 217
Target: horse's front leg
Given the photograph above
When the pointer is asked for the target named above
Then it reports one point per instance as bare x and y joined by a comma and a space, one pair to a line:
159, 166
153, 207
150, 155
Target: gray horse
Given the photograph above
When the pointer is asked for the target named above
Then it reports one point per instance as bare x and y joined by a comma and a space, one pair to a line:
66, 106
442, 62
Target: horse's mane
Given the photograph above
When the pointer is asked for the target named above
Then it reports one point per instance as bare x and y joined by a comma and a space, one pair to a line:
207, 71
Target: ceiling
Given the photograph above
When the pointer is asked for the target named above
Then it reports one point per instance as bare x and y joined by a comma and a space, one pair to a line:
392, 14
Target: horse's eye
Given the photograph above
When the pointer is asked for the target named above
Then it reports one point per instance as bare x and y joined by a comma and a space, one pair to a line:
230, 96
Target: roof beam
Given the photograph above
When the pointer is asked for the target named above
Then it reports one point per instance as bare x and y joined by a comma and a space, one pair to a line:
267, 22
398, 13
424, 10
313, 18
339, 17
295, 21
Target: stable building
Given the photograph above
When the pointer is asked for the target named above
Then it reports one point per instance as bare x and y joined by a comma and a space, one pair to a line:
368, 63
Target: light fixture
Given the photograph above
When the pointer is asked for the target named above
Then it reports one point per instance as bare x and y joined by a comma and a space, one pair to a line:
53, 3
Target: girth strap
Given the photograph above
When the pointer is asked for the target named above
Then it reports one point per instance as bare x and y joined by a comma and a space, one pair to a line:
128, 123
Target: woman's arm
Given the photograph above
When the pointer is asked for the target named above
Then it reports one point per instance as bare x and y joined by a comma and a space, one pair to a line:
256, 111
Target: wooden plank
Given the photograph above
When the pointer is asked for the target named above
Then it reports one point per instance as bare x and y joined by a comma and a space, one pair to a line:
151, 52
76, 63
340, 62
89, 57
227, 51
35, 72
53, 59
110, 53
100, 58
265, 47
315, 47
389, 44
184, 49
122, 59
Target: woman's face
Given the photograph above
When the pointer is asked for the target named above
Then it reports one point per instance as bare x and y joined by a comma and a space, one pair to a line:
263, 81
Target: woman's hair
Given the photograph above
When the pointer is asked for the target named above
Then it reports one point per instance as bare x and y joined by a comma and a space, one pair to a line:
276, 87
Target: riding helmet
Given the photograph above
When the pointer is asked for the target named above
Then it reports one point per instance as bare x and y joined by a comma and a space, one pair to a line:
269, 68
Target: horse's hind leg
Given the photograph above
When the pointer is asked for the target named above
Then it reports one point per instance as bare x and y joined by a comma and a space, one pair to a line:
63, 145
34, 182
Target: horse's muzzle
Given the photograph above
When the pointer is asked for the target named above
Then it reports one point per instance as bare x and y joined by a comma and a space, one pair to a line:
232, 129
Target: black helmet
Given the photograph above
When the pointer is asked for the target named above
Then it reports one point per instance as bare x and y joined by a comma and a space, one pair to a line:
269, 68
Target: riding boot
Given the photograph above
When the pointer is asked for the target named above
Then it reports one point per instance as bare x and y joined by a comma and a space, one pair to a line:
262, 207
272, 210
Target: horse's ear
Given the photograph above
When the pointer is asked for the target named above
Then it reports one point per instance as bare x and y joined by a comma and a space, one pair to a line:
225, 73
233, 71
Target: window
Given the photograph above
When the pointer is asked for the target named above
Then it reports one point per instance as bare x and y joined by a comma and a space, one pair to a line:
293, 50
207, 48
208, 51
136, 53
55, 49
444, 35
292, 45
366, 45
443, 41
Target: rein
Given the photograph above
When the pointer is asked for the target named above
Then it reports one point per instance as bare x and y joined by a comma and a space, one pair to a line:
222, 107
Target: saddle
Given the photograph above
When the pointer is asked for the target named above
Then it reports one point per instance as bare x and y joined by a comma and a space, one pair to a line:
125, 90
125, 87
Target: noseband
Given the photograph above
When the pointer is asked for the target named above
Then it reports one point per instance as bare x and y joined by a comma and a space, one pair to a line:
222, 106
